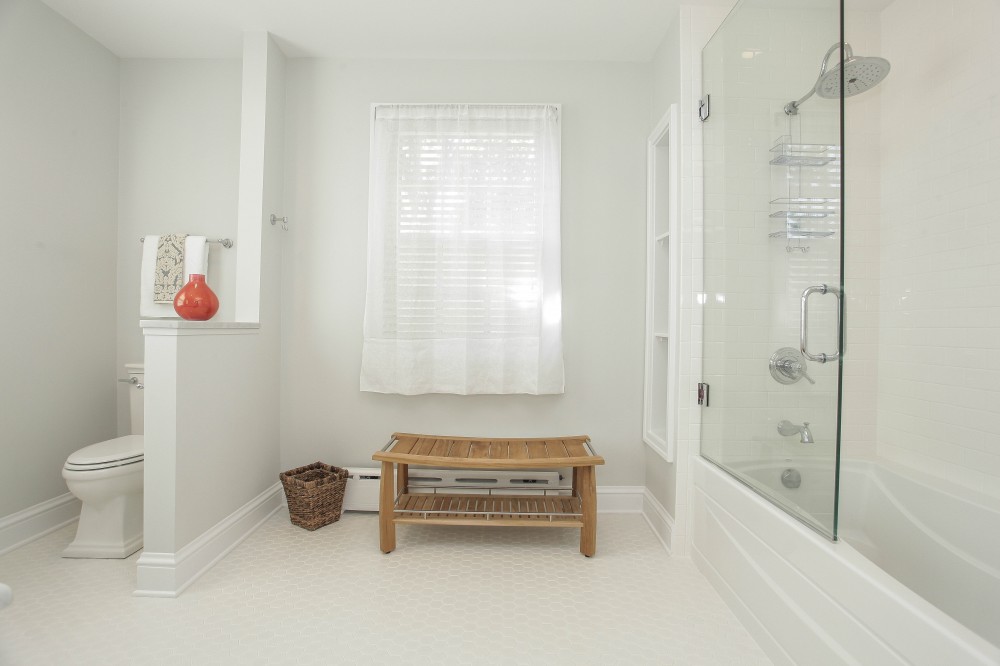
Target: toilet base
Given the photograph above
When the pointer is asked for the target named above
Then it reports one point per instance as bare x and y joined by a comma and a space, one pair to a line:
109, 527
103, 551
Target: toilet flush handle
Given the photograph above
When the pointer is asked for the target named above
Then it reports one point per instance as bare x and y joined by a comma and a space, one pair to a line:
132, 380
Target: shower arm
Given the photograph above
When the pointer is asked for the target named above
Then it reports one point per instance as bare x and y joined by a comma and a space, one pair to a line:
792, 108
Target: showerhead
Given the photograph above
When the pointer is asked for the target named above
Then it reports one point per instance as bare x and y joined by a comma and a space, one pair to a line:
860, 74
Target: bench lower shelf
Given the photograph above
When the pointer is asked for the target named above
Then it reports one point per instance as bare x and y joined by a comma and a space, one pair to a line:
497, 510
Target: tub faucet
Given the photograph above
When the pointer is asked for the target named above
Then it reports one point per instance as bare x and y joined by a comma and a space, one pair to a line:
787, 428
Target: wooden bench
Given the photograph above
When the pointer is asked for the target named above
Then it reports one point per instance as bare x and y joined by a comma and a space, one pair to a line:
400, 506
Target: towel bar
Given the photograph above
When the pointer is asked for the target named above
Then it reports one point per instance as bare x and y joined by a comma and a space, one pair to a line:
225, 242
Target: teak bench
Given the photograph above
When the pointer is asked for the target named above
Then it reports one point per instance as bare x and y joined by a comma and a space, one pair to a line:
578, 509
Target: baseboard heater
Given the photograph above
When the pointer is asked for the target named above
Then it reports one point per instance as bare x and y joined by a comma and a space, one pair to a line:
361, 493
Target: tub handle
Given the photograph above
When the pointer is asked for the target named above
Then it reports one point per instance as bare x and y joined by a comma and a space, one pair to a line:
804, 322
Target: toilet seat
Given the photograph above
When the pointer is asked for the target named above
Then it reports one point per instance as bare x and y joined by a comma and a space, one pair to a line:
117, 452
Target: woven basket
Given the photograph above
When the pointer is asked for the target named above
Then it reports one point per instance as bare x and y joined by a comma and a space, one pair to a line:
315, 494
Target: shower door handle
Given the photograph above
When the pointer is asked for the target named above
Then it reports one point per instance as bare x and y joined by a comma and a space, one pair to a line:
804, 322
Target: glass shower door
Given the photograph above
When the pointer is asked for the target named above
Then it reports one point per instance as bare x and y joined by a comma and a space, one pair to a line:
772, 255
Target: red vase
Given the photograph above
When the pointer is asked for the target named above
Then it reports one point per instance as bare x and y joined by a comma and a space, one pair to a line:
196, 301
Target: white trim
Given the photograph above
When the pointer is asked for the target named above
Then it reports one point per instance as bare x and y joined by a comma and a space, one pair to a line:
252, 174
657, 446
169, 574
658, 519
169, 327
374, 105
36, 521
667, 133
193, 325
619, 499
747, 618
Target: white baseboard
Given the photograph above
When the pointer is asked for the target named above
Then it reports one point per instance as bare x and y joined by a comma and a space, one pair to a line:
36, 521
619, 499
168, 574
660, 521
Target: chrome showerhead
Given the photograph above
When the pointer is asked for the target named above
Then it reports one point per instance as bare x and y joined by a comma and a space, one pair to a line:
860, 74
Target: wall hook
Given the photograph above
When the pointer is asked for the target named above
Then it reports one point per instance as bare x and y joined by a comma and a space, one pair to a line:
284, 221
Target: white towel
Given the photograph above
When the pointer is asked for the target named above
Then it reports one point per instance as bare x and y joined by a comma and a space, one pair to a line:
195, 261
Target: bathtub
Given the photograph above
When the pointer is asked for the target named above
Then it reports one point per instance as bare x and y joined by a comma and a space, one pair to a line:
913, 579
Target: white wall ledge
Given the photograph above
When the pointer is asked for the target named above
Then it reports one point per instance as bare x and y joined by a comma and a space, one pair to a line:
184, 327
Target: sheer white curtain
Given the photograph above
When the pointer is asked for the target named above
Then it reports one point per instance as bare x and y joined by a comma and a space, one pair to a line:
464, 290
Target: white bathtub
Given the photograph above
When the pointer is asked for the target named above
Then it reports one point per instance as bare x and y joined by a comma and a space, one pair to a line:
942, 542
914, 580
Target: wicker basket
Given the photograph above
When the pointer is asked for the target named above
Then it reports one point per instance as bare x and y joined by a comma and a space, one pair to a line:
315, 494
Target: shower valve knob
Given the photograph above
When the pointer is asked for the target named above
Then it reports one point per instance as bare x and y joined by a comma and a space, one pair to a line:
787, 367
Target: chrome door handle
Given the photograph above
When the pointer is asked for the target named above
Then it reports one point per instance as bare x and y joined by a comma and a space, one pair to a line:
804, 322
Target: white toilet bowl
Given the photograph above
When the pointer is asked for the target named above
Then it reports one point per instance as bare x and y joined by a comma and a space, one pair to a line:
107, 478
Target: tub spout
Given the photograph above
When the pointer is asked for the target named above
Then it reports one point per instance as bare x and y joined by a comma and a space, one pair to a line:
787, 428
807, 436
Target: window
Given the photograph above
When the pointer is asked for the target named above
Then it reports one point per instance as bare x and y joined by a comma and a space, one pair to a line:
463, 250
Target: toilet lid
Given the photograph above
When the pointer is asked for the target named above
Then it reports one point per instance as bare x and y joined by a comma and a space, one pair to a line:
118, 451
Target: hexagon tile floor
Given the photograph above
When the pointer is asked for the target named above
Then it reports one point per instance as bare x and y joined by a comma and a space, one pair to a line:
447, 595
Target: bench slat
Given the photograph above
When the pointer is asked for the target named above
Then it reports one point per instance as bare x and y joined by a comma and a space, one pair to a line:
520, 453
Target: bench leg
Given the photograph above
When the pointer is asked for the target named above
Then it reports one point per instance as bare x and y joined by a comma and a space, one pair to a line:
588, 495
386, 501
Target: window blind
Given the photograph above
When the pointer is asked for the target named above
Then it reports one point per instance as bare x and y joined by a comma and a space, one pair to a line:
463, 237
468, 246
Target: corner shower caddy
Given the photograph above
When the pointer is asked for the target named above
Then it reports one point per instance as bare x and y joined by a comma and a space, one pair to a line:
804, 215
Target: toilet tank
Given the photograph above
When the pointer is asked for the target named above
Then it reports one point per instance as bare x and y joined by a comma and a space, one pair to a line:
135, 395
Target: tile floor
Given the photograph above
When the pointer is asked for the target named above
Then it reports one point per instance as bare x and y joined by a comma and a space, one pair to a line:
447, 595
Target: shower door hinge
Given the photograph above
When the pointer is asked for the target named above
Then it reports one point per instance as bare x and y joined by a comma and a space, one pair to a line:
703, 394
704, 108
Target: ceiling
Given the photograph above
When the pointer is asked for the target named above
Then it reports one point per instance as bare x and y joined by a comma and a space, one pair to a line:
606, 30
594, 30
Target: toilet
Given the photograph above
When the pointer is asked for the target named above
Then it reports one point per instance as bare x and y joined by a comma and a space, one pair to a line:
108, 478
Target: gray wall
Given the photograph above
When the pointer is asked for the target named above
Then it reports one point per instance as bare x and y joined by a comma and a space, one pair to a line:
606, 121
180, 157
58, 180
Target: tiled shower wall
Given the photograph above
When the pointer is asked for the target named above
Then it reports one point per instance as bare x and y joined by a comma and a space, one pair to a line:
862, 207
939, 337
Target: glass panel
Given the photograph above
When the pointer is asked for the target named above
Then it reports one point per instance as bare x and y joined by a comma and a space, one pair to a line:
772, 233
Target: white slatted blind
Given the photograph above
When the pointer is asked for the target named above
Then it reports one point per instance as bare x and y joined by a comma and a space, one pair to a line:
468, 243
464, 210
